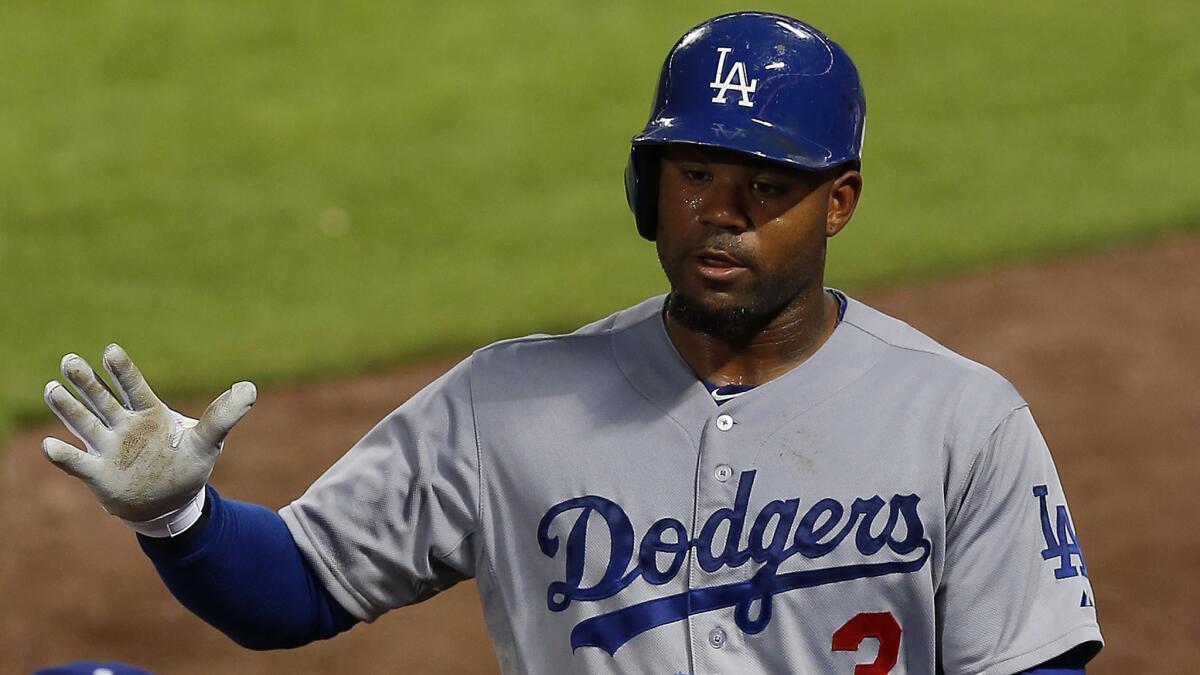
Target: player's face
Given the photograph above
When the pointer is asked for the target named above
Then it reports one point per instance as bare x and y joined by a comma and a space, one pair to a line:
741, 238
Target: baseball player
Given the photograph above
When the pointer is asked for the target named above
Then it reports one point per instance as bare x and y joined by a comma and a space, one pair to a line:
752, 473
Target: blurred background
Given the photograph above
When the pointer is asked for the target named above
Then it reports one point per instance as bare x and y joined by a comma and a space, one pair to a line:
295, 191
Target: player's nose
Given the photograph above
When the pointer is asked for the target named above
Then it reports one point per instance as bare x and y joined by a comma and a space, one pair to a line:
726, 205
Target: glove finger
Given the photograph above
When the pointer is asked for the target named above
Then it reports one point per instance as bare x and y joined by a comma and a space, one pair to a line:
94, 393
81, 421
70, 459
224, 412
130, 384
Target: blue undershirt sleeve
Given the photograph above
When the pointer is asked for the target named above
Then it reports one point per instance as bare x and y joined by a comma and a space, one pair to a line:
1070, 663
239, 569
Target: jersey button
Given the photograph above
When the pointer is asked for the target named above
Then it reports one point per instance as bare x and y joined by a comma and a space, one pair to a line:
716, 638
724, 422
723, 472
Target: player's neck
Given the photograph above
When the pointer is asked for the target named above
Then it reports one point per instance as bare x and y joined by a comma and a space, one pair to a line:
758, 357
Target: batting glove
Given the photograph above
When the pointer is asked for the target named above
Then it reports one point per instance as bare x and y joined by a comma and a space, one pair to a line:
146, 463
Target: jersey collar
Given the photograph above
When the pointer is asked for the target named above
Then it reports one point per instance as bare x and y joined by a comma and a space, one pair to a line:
649, 361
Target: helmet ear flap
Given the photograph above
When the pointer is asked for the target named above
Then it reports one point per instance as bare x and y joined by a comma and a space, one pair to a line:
641, 189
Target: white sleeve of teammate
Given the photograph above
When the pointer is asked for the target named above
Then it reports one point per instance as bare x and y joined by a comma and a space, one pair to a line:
1014, 591
392, 522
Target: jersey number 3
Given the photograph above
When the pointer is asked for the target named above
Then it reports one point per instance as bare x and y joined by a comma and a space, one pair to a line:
879, 625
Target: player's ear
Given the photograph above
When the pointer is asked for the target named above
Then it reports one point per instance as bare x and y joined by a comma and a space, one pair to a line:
843, 198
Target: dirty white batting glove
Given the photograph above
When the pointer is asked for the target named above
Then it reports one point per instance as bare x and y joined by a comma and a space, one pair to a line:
146, 463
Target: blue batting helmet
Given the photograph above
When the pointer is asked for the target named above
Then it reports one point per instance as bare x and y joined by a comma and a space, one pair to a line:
764, 84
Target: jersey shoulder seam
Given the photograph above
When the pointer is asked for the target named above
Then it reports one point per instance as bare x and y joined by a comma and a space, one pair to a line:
485, 552
478, 468
941, 351
968, 367
959, 495
537, 338
600, 329
899, 334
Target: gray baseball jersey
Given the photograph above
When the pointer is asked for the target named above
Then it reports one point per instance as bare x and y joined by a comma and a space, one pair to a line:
886, 502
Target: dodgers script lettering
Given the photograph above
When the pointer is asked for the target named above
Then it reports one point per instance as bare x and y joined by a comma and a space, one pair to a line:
664, 548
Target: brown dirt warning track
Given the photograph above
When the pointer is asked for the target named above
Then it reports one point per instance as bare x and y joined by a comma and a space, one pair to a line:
1106, 348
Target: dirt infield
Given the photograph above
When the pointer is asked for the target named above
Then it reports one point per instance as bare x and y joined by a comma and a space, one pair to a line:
1105, 348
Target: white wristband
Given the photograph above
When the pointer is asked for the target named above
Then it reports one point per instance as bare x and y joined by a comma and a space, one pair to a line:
171, 523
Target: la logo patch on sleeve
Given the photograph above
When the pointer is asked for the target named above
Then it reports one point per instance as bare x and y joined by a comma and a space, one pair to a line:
1061, 542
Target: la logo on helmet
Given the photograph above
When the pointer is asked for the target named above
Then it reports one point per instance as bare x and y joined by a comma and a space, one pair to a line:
735, 79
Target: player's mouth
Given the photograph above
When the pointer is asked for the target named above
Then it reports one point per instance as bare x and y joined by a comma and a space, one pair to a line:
718, 265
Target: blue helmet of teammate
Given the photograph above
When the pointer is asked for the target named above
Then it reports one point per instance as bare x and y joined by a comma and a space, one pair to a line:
763, 84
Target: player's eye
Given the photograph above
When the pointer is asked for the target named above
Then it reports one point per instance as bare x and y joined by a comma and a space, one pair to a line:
769, 188
694, 174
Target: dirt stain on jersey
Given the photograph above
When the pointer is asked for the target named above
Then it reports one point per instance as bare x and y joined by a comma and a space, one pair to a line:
801, 460
796, 453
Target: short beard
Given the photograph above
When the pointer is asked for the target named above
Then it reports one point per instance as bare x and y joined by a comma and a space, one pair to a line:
734, 325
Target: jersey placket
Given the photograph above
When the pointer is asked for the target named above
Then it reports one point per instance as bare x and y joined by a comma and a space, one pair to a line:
717, 643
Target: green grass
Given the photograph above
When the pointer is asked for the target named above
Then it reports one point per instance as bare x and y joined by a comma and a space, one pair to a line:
285, 189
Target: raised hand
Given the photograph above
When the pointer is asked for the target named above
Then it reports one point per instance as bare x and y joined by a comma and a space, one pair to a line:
142, 459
